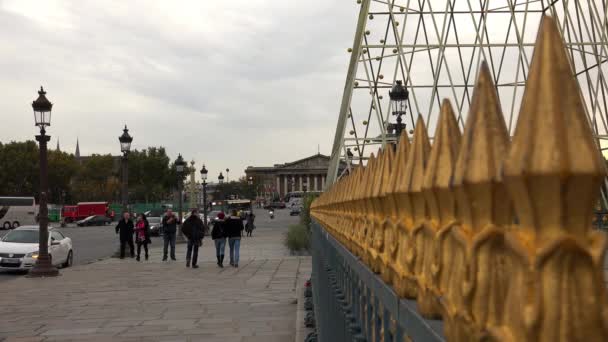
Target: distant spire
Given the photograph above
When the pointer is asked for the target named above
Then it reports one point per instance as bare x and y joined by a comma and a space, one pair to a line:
318, 148
77, 154
58, 150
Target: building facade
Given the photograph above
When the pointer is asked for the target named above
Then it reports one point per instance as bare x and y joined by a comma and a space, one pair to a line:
308, 174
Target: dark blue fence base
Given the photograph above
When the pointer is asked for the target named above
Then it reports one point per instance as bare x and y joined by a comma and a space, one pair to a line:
354, 304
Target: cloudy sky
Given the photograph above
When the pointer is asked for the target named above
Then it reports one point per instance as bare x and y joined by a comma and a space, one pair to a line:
227, 83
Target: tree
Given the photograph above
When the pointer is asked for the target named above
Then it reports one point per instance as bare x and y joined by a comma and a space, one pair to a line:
240, 188
62, 169
97, 179
19, 173
151, 177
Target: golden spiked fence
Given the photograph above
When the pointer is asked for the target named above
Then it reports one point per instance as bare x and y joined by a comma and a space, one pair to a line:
489, 233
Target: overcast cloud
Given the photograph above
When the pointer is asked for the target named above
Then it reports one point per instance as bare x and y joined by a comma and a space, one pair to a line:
227, 83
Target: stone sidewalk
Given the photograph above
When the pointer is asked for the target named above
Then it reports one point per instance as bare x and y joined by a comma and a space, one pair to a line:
125, 300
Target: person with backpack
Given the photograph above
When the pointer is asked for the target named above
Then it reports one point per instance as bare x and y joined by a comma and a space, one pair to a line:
219, 238
142, 235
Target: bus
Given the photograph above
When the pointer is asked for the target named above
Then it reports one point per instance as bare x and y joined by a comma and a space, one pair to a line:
17, 211
294, 198
242, 206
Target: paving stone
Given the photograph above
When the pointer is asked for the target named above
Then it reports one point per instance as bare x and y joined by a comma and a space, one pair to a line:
122, 300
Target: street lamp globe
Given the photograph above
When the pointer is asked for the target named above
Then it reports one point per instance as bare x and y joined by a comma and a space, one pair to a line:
220, 178
250, 180
125, 141
42, 110
179, 164
399, 96
204, 173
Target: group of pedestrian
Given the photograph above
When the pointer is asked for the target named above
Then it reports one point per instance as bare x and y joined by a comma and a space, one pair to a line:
231, 229
225, 229
141, 230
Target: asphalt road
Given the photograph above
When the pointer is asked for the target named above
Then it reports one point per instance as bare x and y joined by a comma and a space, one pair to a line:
93, 243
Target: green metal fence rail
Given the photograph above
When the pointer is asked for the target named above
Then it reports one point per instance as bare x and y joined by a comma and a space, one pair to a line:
354, 304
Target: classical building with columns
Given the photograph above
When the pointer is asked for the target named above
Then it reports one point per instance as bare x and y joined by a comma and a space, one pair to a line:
306, 174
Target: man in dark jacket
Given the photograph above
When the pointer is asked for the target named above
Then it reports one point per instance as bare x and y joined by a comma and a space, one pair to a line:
169, 231
219, 238
193, 228
234, 230
125, 228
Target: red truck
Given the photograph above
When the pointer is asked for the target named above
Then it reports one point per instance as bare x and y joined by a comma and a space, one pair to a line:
72, 213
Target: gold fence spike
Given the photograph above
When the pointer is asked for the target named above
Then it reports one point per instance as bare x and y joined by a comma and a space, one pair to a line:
395, 225
388, 209
479, 166
440, 198
440, 169
486, 209
554, 172
401, 155
410, 193
375, 236
367, 193
354, 205
359, 204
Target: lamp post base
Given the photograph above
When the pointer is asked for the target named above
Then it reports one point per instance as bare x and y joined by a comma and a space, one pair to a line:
43, 268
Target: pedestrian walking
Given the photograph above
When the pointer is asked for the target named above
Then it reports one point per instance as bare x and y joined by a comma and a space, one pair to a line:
169, 230
234, 231
250, 226
142, 235
218, 235
125, 230
193, 229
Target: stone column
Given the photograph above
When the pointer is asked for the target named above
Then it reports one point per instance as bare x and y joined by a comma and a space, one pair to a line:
286, 181
308, 182
300, 177
316, 188
323, 182
278, 184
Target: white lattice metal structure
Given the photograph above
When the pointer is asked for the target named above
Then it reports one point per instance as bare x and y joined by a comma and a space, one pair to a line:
436, 47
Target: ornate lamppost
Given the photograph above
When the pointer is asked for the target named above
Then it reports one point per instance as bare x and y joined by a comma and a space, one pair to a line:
125, 147
179, 168
192, 170
204, 178
42, 115
220, 181
399, 96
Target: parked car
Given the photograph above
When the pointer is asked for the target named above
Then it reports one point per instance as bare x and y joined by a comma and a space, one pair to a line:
295, 210
19, 249
95, 220
155, 225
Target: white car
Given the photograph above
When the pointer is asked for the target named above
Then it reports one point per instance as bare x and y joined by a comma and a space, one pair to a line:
19, 249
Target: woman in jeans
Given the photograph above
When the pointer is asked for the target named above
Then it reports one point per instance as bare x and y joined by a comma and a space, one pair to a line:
219, 238
234, 230
142, 234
